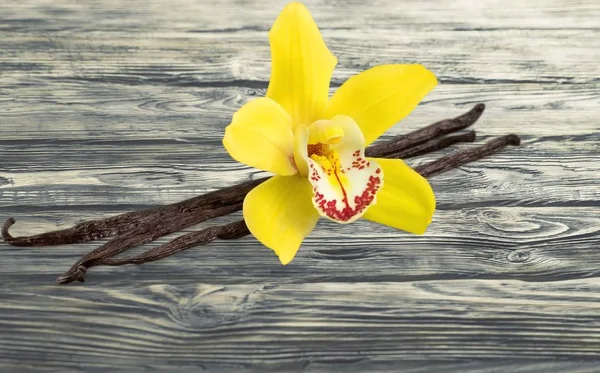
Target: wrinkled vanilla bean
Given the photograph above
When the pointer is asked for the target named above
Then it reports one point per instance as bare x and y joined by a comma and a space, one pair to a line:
148, 232
169, 223
228, 231
465, 156
433, 145
96, 229
238, 228
139, 227
424, 134
144, 234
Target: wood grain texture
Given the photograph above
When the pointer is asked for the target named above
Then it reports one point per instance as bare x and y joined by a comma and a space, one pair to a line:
110, 106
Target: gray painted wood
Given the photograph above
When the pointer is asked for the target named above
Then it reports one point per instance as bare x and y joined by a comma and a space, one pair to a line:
111, 106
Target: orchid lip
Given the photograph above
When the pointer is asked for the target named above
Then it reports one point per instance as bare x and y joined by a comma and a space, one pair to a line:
344, 182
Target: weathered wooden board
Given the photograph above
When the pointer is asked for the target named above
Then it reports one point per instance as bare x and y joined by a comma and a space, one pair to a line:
327, 325
110, 106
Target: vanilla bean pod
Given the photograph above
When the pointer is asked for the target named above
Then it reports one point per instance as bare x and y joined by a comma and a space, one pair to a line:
92, 230
96, 229
432, 145
169, 223
144, 234
228, 231
424, 134
462, 157
238, 228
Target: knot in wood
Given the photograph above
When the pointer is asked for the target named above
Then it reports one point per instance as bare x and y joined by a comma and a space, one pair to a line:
518, 256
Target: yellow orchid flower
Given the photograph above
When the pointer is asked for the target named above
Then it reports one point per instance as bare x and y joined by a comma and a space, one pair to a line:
315, 144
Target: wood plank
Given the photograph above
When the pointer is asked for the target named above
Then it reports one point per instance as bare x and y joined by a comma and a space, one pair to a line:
304, 324
524, 176
171, 155
186, 46
526, 243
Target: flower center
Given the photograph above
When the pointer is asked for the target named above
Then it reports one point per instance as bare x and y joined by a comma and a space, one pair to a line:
344, 182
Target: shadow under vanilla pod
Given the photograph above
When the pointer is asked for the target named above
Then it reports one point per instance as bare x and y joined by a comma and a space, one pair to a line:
317, 147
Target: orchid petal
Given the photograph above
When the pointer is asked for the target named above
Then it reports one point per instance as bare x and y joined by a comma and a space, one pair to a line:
406, 200
260, 135
380, 97
279, 214
301, 65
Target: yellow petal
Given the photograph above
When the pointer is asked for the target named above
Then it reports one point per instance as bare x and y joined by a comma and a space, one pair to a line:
279, 214
406, 200
381, 96
260, 135
301, 65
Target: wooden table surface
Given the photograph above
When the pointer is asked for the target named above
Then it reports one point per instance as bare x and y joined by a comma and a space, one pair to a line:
110, 106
